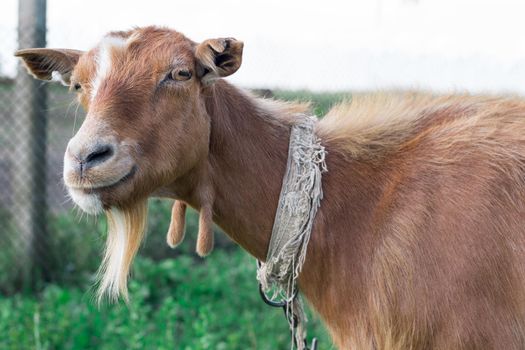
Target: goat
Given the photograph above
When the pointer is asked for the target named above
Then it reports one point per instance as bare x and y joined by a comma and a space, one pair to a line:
419, 241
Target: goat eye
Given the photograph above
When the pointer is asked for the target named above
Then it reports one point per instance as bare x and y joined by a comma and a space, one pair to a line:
77, 86
180, 74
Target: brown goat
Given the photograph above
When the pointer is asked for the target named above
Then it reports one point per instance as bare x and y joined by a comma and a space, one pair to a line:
419, 242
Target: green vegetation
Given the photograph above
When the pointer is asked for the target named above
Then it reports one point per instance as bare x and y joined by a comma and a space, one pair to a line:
174, 304
321, 102
183, 302
177, 300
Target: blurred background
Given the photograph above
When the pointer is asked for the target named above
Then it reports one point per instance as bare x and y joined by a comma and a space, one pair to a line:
321, 51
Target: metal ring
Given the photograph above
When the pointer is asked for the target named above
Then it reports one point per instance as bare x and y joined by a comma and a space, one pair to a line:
274, 303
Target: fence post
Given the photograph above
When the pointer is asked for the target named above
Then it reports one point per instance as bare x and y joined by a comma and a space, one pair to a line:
29, 156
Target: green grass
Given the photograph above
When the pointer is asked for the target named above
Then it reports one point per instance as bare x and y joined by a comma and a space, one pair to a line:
180, 303
321, 101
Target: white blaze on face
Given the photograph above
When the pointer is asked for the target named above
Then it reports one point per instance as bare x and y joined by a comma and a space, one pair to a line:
103, 60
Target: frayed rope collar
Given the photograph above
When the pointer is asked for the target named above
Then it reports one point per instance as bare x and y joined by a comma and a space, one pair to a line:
300, 197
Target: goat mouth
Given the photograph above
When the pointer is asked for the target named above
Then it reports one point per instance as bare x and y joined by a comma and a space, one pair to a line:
122, 180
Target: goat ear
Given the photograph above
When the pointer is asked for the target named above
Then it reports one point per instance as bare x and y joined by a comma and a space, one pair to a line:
50, 64
218, 58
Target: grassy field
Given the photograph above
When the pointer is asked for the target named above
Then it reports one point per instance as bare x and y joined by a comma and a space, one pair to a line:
175, 304
178, 300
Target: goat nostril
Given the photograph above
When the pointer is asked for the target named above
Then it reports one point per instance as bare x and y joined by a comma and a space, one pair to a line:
99, 155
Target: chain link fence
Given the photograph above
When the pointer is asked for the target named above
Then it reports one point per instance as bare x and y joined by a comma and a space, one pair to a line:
37, 120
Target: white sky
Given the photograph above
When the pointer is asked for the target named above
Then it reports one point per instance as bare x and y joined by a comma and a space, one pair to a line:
445, 45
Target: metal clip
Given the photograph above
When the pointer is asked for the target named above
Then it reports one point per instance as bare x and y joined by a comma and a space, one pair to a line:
314, 344
291, 318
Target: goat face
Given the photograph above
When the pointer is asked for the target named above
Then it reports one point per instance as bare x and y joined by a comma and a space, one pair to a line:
146, 125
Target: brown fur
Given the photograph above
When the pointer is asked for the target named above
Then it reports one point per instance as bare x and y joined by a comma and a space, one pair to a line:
419, 240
